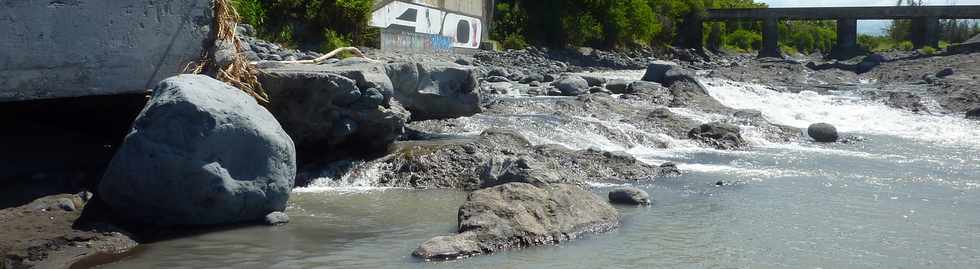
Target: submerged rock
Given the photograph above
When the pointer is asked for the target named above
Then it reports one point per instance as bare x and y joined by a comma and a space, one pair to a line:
823, 132
629, 196
436, 90
572, 85
200, 153
519, 215
722, 136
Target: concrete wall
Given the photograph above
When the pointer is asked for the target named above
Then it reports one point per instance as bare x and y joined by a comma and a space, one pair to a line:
464, 21
71, 48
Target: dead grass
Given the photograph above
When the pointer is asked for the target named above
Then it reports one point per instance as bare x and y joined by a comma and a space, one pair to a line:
239, 73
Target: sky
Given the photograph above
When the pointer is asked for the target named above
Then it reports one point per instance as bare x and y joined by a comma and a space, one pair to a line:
864, 27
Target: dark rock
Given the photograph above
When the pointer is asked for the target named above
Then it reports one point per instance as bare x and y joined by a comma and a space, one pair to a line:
532, 77
276, 218
657, 71
334, 109
945, 73
905, 100
549, 78
973, 114
498, 72
669, 169
463, 61
534, 84
629, 196
519, 215
749, 114
497, 79
618, 86
594, 81
274, 57
521, 170
597, 89
572, 85
200, 153
554, 92
870, 62
435, 90
719, 135
823, 132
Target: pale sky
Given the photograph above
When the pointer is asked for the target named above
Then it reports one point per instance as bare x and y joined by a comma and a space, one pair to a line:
864, 27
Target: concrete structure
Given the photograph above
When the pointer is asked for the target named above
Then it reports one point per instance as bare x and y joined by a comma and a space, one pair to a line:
57, 49
422, 24
926, 19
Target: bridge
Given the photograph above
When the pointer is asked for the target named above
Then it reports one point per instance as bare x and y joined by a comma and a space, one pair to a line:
925, 22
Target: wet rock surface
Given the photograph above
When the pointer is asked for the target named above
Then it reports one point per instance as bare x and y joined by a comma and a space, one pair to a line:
519, 215
435, 90
719, 135
629, 196
823, 132
346, 109
200, 153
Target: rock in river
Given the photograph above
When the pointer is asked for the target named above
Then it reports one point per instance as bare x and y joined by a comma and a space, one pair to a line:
572, 85
719, 135
332, 108
200, 153
436, 90
823, 132
629, 196
518, 215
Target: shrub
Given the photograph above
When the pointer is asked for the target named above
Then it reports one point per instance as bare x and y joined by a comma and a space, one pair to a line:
744, 40
906, 46
514, 41
927, 50
333, 40
251, 12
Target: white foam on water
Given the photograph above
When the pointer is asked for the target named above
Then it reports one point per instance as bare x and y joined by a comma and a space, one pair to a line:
848, 114
362, 178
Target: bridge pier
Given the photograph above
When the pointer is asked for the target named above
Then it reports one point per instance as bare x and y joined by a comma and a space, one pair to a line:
847, 46
692, 32
770, 39
925, 32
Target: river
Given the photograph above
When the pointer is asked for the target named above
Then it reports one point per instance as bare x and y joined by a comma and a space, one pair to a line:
907, 196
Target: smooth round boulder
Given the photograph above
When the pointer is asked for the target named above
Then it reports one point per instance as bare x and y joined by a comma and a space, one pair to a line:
629, 196
823, 132
200, 153
571, 85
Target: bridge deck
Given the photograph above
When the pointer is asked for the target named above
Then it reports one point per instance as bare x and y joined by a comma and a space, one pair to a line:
833, 13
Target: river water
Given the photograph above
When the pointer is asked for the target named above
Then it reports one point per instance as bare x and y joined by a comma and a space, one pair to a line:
906, 197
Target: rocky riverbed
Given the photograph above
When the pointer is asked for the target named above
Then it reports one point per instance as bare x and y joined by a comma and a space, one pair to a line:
419, 121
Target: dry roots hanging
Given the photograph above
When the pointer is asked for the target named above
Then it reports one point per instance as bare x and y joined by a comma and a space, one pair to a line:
239, 72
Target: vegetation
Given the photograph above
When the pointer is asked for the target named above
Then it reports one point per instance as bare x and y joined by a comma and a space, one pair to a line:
311, 24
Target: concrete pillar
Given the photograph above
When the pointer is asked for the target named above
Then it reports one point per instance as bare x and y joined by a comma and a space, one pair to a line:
847, 46
692, 32
925, 32
770, 39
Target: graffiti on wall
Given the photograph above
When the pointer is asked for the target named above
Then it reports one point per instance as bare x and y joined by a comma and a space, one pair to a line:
464, 31
412, 41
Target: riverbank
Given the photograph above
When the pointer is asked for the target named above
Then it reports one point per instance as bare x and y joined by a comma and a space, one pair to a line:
576, 94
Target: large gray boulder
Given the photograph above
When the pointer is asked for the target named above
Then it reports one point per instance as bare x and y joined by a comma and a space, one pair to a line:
657, 71
619, 86
335, 108
519, 215
572, 85
722, 136
435, 90
200, 153
823, 132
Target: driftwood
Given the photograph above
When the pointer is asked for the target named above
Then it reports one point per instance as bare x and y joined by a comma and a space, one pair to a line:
327, 56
